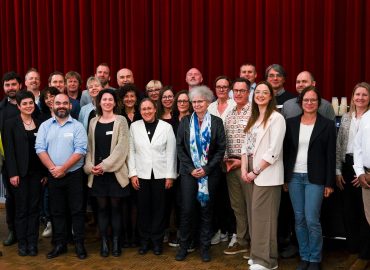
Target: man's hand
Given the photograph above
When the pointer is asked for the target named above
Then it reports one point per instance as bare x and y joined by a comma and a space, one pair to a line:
57, 172
364, 180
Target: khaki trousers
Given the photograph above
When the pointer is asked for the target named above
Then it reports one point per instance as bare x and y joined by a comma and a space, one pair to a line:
240, 194
265, 211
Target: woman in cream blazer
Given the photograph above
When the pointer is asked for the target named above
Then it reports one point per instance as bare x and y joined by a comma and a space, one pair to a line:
262, 164
152, 169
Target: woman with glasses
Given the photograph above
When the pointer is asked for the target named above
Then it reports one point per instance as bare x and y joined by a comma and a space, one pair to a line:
223, 105
309, 163
200, 149
262, 165
153, 88
164, 104
357, 228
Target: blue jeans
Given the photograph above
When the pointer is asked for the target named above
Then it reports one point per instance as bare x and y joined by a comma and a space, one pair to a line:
306, 200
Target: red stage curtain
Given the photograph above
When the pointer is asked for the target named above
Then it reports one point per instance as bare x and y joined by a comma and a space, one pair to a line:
162, 39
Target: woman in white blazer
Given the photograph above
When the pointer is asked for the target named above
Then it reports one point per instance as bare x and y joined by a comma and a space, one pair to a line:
262, 164
152, 168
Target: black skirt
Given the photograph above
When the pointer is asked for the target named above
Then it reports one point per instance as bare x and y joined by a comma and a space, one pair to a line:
106, 185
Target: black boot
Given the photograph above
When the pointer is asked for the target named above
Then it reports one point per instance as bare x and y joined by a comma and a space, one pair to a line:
11, 239
116, 247
104, 248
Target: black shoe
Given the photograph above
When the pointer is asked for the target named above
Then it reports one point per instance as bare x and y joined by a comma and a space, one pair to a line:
204, 254
181, 254
314, 266
10, 240
157, 249
58, 249
116, 247
303, 265
289, 251
22, 250
192, 247
104, 248
80, 251
32, 251
144, 248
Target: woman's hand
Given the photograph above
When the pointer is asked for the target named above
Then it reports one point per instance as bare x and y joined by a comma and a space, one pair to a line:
340, 182
97, 170
198, 173
244, 175
356, 182
250, 177
328, 191
169, 183
135, 182
44, 180
285, 187
14, 181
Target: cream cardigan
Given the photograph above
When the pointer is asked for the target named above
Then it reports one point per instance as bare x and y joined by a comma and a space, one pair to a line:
117, 160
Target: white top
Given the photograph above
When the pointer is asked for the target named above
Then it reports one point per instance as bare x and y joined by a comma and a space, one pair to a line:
361, 146
212, 108
305, 132
353, 128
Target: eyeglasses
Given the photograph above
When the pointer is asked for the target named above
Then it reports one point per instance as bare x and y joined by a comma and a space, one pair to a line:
308, 100
222, 88
182, 101
194, 102
278, 75
259, 92
167, 97
153, 90
240, 91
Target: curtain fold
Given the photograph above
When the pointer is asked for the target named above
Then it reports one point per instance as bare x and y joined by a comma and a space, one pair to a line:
162, 39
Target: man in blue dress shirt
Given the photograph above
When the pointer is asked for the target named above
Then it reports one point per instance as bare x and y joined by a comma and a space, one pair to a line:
61, 144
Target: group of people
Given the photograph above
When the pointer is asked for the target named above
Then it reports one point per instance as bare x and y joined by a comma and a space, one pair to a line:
187, 167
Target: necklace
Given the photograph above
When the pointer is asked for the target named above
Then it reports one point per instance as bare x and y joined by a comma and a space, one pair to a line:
28, 124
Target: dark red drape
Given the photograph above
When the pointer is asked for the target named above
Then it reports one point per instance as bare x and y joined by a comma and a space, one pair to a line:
162, 39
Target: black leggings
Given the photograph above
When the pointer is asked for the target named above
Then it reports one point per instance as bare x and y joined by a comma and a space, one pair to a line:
109, 212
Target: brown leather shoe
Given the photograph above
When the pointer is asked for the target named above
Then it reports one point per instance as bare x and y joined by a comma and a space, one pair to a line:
359, 264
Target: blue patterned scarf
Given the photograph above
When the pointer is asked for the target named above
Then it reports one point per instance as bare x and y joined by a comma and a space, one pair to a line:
200, 139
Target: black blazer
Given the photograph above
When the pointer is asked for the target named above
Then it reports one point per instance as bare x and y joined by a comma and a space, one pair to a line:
216, 148
321, 150
16, 147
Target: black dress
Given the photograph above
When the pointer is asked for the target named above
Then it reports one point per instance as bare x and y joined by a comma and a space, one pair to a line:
105, 185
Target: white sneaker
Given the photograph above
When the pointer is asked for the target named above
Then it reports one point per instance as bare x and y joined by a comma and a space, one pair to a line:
250, 262
260, 267
224, 237
233, 240
216, 239
48, 230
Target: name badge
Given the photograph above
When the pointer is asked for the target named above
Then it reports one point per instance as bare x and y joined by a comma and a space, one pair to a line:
279, 107
109, 132
68, 134
35, 134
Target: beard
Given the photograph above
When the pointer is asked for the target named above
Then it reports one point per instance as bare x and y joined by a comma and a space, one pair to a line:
62, 112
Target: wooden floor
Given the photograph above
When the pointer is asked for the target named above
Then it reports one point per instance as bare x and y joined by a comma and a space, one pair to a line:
334, 258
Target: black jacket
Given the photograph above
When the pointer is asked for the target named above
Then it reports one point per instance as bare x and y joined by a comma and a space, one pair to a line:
321, 150
16, 147
216, 148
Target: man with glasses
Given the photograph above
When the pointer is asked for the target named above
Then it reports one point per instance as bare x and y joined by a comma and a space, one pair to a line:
291, 107
239, 191
276, 75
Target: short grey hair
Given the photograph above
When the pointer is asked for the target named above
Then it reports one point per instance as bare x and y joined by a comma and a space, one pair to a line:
278, 68
202, 91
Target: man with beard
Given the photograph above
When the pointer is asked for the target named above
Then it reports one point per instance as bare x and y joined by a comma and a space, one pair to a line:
61, 145
193, 78
12, 83
103, 74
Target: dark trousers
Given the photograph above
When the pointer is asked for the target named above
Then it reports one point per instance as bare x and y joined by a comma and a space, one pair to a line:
27, 203
190, 209
9, 200
223, 218
285, 221
151, 205
66, 198
357, 228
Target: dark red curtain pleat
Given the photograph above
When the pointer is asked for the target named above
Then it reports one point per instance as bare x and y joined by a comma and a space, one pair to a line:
162, 39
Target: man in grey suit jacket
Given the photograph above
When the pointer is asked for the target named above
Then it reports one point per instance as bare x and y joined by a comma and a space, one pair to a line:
291, 107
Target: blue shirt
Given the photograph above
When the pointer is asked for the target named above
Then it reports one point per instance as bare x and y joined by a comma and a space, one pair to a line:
61, 141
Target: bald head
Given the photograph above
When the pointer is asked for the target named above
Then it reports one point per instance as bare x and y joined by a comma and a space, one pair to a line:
304, 79
193, 77
124, 76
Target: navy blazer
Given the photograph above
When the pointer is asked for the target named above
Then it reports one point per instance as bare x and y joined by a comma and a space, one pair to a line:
16, 147
216, 151
321, 150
